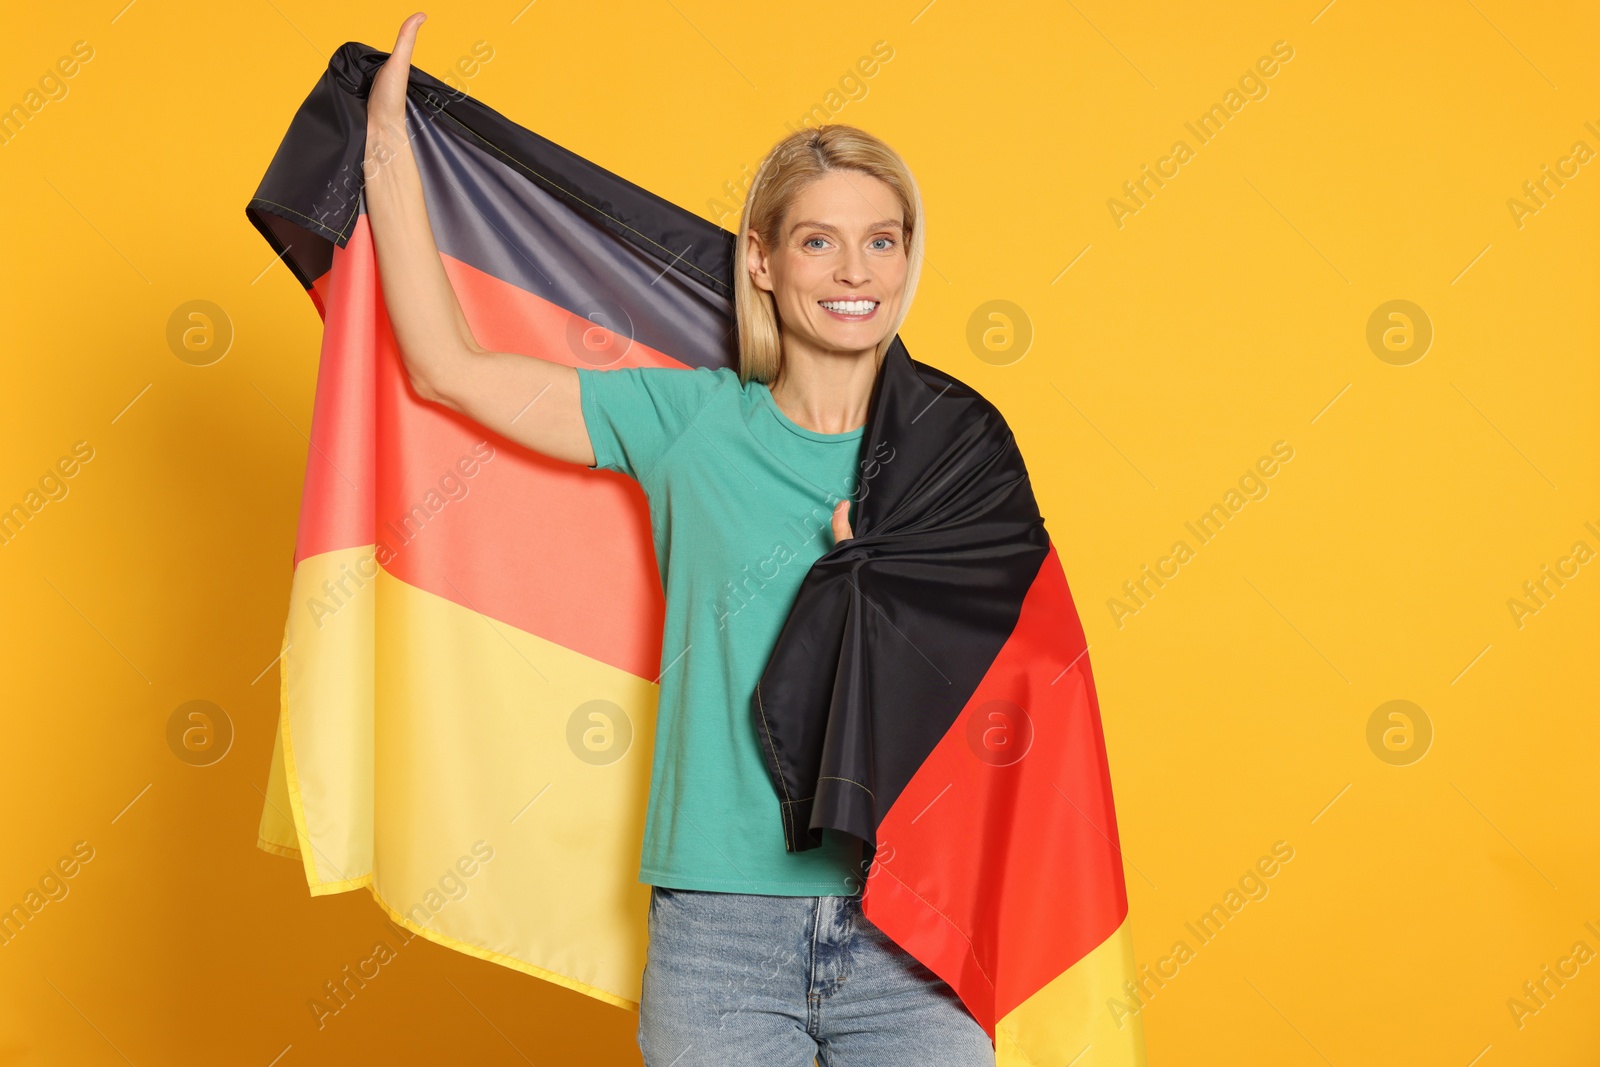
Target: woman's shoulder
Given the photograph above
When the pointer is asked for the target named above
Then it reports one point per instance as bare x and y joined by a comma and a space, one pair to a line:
677, 380
693, 386
680, 393
681, 376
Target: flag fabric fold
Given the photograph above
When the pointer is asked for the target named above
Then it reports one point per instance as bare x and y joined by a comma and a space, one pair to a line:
930, 693
467, 696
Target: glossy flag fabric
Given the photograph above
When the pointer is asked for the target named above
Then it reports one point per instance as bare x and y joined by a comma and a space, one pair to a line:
930, 693
468, 666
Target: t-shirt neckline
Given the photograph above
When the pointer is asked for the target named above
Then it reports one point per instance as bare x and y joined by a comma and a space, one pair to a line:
795, 428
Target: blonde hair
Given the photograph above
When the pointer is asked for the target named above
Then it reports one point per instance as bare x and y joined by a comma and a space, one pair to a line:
794, 163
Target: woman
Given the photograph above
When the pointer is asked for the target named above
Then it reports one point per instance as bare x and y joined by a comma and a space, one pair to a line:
756, 955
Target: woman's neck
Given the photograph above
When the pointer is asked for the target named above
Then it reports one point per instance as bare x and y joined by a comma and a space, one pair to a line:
826, 394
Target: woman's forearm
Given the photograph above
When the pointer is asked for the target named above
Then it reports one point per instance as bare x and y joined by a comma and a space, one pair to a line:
443, 360
429, 325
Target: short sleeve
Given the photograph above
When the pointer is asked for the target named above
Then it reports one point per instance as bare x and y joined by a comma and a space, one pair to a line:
634, 415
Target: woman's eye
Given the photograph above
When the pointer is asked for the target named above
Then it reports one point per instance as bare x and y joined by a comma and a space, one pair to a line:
810, 239
888, 242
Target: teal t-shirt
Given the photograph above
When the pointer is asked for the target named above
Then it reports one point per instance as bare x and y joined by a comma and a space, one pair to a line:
741, 501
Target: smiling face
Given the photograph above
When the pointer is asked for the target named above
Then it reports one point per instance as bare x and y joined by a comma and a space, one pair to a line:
837, 271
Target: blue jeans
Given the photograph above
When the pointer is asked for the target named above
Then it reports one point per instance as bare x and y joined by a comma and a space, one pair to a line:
735, 979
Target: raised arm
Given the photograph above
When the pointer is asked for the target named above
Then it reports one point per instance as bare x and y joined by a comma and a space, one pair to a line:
529, 400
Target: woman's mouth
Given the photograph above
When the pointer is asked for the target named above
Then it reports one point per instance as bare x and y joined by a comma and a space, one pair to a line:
850, 310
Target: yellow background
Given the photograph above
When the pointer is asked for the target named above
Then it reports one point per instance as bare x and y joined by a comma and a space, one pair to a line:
1228, 313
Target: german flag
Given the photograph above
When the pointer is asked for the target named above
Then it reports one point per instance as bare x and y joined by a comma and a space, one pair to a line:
930, 693
469, 665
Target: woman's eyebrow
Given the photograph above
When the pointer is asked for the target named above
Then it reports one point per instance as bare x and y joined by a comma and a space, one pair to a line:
815, 225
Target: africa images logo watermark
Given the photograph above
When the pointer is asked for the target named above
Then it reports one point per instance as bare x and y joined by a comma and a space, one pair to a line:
452, 486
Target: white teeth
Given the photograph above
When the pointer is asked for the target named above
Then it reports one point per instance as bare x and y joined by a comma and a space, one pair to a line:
850, 307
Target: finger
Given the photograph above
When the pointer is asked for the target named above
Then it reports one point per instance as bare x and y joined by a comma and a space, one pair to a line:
407, 39
386, 102
841, 522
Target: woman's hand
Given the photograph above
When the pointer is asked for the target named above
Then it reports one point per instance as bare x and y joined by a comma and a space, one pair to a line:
443, 360
841, 521
386, 101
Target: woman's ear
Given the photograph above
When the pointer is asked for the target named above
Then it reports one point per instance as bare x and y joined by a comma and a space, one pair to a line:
756, 262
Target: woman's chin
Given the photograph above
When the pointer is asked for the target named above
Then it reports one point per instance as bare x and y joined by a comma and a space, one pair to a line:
865, 337
846, 338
